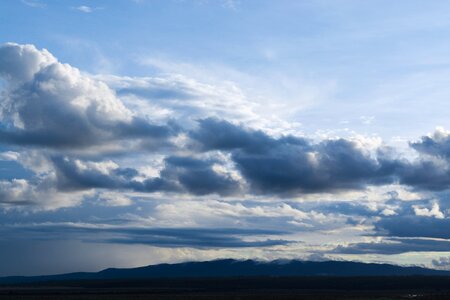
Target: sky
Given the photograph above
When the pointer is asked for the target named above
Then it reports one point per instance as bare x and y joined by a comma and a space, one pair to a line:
161, 131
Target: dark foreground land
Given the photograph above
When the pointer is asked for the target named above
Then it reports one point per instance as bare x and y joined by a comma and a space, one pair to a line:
314, 287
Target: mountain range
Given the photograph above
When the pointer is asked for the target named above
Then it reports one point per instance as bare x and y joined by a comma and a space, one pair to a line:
236, 268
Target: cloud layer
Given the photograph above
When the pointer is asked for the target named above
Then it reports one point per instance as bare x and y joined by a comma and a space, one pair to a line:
65, 113
171, 163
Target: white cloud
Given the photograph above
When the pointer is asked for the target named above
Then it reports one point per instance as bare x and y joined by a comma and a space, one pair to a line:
435, 211
114, 199
84, 9
269, 101
23, 194
182, 98
19, 63
388, 212
277, 215
55, 105
33, 3
54, 84
9, 155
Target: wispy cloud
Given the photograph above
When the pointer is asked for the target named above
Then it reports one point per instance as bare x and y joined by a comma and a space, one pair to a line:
33, 3
86, 9
231, 4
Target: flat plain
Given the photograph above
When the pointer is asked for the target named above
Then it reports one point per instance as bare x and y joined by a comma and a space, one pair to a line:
273, 288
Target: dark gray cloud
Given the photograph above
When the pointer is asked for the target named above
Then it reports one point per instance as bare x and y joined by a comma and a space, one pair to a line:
436, 145
413, 226
395, 246
200, 238
293, 165
198, 176
296, 165
286, 165
78, 175
215, 134
424, 174
180, 174
336, 165
160, 237
432, 170
347, 208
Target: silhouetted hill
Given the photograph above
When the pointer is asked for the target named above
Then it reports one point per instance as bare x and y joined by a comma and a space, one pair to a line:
237, 268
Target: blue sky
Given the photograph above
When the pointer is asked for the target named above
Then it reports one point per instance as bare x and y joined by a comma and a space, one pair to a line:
146, 131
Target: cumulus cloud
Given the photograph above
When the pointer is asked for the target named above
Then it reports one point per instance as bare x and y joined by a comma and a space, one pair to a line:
432, 170
50, 104
77, 174
434, 211
293, 165
37, 193
424, 174
436, 144
16, 191
180, 174
198, 176
19, 63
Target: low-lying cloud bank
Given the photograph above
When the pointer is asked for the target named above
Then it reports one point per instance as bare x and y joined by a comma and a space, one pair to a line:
155, 236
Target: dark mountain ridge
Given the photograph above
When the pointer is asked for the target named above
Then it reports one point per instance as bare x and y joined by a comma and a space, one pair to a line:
236, 268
